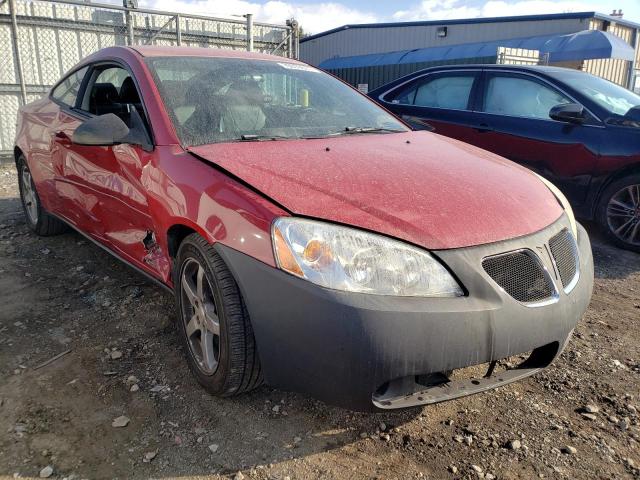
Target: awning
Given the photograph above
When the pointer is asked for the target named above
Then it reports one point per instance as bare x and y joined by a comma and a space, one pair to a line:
584, 45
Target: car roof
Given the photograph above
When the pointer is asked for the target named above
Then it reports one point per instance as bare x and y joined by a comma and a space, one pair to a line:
162, 51
556, 73
488, 66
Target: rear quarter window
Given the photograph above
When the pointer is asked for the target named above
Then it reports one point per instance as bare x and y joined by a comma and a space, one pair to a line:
67, 91
436, 91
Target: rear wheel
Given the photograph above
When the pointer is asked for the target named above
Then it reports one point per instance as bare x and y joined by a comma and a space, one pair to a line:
38, 219
213, 322
619, 212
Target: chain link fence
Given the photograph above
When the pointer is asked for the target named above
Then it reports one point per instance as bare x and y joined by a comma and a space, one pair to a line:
41, 39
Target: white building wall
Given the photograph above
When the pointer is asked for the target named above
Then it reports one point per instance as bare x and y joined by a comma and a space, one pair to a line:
362, 41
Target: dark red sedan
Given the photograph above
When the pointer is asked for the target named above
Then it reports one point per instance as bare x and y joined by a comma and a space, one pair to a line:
577, 130
311, 239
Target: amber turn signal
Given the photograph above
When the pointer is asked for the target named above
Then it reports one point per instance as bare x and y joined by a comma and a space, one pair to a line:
285, 257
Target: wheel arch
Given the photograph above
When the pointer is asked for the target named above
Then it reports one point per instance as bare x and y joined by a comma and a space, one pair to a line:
17, 151
176, 233
633, 169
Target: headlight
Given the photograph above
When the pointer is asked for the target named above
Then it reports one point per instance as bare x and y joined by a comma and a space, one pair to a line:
352, 260
563, 202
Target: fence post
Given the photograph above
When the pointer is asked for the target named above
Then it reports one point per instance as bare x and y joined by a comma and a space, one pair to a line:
249, 17
294, 38
129, 22
295, 32
178, 31
16, 51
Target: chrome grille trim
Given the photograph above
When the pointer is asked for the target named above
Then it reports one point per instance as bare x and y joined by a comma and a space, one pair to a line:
515, 284
564, 254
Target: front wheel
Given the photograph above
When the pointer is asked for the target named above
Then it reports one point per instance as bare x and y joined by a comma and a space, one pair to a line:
38, 219
619, 212
213, 322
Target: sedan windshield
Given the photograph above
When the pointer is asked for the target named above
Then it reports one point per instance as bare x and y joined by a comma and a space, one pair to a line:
613, 98
213, 100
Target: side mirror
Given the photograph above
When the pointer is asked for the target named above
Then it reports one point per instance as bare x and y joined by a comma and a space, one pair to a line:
568, 112
109, 129
633, 114
103, 130
418, 123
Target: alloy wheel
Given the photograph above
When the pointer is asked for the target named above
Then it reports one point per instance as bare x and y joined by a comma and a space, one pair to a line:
623, 214
29, 197
200, 316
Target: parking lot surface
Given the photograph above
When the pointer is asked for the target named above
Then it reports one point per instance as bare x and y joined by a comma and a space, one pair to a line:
93, 384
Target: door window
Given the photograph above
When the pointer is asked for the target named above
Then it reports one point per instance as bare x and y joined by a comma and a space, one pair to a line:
521, 97
112, 90
67, 91
450, 92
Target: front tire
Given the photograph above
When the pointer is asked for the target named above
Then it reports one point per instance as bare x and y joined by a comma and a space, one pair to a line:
213, 322
38, 219
619, 212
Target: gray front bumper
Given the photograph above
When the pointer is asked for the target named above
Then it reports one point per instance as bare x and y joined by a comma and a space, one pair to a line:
343, 347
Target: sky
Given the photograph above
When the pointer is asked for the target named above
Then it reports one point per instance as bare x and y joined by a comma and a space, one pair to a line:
316, 16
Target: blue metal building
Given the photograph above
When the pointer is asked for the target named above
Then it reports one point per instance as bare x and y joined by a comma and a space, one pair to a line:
370, 55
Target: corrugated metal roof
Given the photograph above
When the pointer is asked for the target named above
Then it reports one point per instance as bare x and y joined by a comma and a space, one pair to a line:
467, 21
584, 45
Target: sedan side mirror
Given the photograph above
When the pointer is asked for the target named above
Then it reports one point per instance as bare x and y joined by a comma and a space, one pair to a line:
109, 129
418, 123
568, 112
103, 130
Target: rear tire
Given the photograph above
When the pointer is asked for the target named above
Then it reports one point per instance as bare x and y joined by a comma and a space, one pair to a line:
38, 219
618, 212
213, 322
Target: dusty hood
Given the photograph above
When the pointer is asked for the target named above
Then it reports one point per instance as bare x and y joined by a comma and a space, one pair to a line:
417, 186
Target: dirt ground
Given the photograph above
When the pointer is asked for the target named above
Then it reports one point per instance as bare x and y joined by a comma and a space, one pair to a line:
64, 293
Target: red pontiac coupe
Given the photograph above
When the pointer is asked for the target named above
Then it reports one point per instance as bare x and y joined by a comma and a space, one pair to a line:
311, 239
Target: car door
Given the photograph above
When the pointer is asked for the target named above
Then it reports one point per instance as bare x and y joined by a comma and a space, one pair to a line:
43, 122
104, 185
439, 101
514, 122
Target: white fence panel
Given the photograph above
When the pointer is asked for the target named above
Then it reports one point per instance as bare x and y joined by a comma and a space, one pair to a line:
54, 35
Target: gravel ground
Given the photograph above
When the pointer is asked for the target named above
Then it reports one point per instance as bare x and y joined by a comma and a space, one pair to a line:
122, 404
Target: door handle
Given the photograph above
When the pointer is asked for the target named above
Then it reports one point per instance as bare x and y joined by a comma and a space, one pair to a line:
483, 128
62, 139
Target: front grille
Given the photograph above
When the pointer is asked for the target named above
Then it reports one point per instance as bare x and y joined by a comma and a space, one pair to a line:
521, 275
565, 254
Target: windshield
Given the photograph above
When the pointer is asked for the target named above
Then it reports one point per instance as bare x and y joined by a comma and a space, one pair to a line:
615, 99
213, 100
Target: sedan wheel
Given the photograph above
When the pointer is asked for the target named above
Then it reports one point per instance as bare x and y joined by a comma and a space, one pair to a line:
619, 212
213, 322
202, 325
29, 197
623, 214
38, 219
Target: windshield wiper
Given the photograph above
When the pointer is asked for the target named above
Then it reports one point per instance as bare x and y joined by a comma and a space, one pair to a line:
352, 130
261, 138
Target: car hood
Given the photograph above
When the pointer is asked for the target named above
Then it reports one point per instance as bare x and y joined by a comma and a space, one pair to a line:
420, 187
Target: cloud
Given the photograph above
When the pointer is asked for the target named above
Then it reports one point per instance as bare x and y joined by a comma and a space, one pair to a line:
437, 9
319, 16
454, 9
313, 17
